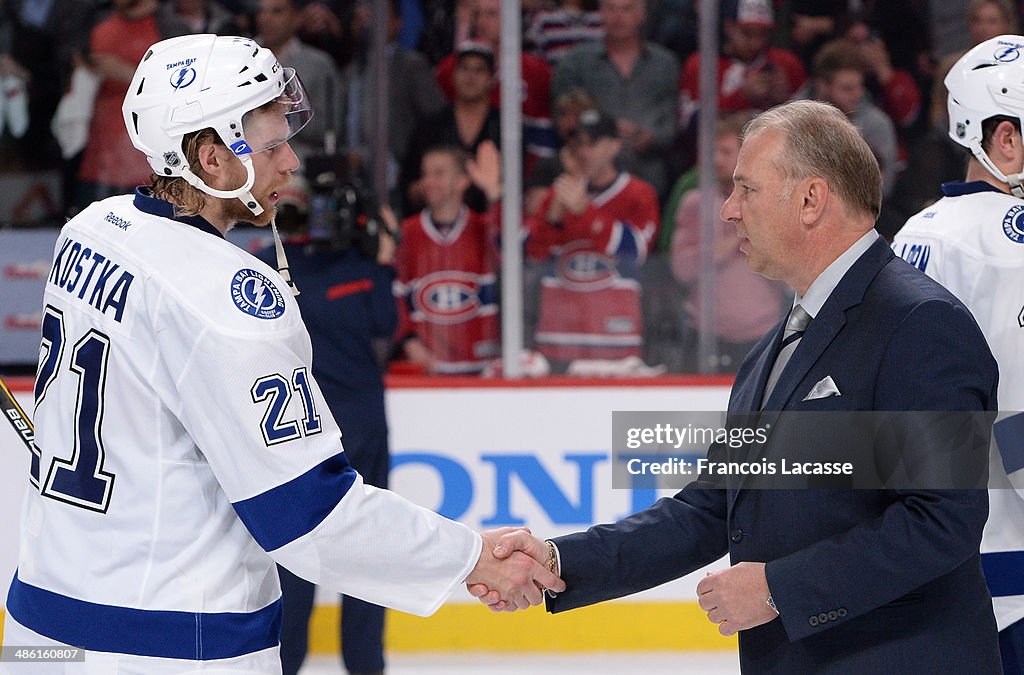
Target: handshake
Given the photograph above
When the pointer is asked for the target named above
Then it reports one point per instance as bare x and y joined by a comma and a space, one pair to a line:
514, 570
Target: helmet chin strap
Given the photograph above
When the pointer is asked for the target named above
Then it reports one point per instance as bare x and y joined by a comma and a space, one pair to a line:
244, 195
282, 260
1013, 180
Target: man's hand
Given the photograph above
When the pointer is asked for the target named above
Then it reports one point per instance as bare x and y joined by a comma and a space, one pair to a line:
317, 18
485, 170
515, 546
633, 135
737, 598
877, 56
571, 193
419, 353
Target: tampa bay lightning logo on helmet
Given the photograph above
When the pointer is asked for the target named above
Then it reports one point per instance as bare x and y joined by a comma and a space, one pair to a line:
256, 295
1013, 224
183, 77
1007, 52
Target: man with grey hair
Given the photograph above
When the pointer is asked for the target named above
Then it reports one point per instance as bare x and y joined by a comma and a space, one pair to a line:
836, 580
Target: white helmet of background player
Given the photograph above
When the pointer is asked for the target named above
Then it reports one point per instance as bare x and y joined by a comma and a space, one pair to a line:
190, 83
987, 81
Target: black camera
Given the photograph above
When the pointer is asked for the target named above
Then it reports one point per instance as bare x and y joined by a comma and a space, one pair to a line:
343, 213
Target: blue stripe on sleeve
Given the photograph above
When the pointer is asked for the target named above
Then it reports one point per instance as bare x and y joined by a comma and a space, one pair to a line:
286, 512
1004, 573
1009, 435
195, 636
629, 247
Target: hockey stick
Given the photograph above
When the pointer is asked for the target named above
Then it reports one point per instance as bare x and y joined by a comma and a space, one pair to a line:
16, 416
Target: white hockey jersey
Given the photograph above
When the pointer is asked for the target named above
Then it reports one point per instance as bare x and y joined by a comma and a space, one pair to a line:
972, 242
184, 447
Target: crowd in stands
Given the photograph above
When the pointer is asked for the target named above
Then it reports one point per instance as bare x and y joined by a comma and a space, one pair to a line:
610, 104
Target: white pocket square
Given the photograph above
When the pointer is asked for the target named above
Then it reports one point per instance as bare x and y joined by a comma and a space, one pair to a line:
825, 388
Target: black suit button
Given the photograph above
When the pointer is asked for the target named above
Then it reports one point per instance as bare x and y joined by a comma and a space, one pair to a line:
823, 618
736, 536
833, 615
813, 621
841, 612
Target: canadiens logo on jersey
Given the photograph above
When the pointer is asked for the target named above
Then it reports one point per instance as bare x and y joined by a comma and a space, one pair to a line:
584, 270
1013, 224
450, 297
256, 295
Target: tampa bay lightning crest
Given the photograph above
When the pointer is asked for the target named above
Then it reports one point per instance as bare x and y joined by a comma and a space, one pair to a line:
1013, 224
256, 295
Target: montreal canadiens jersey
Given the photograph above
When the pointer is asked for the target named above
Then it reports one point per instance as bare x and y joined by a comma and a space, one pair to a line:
184, 448
972, 242
447, 289
590, 295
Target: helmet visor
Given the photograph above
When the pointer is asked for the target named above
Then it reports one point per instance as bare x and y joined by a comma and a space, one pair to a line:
276, 121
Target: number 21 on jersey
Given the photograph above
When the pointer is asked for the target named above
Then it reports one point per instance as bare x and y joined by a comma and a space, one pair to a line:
79, 480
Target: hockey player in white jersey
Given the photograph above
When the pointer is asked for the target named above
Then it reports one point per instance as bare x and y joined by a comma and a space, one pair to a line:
183, 445
972, 242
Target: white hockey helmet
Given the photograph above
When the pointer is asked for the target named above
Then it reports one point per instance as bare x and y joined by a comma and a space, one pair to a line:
987, 81
194, 82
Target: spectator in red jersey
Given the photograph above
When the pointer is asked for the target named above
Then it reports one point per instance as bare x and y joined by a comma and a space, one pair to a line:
752, 75
447, 266
567, 110
538, 136
594, 229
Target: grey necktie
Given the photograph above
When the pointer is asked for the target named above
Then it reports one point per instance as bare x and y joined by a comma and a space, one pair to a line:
795, 327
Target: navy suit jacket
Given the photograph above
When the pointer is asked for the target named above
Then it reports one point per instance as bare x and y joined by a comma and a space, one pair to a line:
866, 581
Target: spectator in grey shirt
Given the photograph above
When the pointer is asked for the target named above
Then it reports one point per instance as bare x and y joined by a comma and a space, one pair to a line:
634, 80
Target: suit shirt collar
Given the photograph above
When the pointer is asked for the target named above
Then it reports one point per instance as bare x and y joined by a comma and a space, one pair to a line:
821, 288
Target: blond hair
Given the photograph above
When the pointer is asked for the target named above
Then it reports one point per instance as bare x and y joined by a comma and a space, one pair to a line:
187, 200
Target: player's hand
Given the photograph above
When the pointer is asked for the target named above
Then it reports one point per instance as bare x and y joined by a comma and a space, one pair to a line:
529, 575
511, 544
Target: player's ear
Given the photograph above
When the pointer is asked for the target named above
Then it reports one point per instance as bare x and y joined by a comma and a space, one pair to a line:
1007, 138
211, 159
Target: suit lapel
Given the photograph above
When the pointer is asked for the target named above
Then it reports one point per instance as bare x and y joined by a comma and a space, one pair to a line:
748, 396
821, 332
848, 293
819, 335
